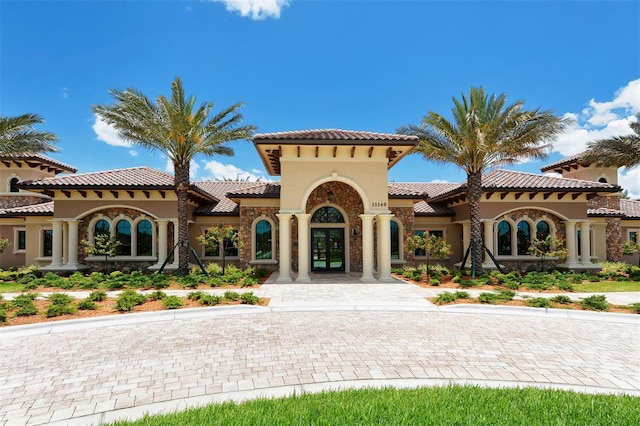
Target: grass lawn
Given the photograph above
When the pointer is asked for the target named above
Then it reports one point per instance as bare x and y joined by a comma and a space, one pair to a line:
11, 287
607, 286
452, 405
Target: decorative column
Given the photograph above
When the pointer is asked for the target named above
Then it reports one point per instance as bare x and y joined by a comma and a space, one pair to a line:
72, 257
303, 247
284, 275
176, 238
384, 247
163, 240
585, 243
571, 261
56, 249
367, 247
488, 242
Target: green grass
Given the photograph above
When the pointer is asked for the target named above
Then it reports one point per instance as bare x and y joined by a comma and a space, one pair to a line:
607, 286
452, 405
11, 287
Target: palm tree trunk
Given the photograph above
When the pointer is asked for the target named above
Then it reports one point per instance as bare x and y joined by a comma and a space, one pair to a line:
474, 192
182, 186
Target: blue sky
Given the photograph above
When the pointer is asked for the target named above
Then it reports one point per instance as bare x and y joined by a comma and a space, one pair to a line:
302, 64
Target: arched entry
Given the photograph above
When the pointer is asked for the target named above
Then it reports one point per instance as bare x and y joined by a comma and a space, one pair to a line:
327, 240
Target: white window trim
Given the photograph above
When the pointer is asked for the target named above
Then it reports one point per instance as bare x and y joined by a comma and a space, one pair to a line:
41, 244
254, 225
16, 250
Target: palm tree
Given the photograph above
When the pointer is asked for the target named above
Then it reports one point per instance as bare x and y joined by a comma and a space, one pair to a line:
485, 133
18, 137
618, 151
181, 131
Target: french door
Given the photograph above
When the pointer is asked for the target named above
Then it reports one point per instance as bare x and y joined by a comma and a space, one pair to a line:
327, 248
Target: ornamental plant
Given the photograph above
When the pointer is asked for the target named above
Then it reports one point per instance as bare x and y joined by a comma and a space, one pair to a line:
550, 246
103, 245
431, 244
220, 236
628, 247
4, 244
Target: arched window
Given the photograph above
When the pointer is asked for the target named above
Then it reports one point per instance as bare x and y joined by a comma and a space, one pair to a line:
327, 214
144, 238
395, 240
13, 185
603, 180
542, 230
524, 237
101, 228
123, 235
504, 238
263, 240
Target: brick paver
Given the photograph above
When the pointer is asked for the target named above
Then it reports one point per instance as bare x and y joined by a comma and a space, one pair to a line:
99, 373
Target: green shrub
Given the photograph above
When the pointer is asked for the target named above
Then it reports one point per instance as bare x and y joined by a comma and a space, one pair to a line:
469, 283
214, 269
26, 279
613, 268
249, 298
215, 281
621, 278
3, 316
562, 299
456, 278
97, 296
60, 299
97, 277
231, 295
129, 299
172, 302
564, 285
538, 302
434, 281
156, 295
596, 302
196, 295
87, 305
57, 310
448, 297
249, 282
496, 297
191, 280
159, 280
512, 285
24, 299
634, 273
27, 310
209, 300
636, 307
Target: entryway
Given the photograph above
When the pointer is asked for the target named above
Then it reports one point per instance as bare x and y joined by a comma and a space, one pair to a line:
327, 250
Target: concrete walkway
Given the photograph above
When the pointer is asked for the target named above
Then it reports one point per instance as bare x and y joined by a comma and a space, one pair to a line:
311, 337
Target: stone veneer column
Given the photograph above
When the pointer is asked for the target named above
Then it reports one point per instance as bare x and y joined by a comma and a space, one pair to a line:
56, 249
384, 247
572, 260
163, 240
303, 247
488, 242
72, 257
367, 247
284, 261
585, 243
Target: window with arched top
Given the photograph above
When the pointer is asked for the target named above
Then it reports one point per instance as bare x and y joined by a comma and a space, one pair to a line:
263, 240
395, 240
13, 185
327, 214
123, 236
504, 238
101, 228
144, 238
603, 180
523, 236
542, 230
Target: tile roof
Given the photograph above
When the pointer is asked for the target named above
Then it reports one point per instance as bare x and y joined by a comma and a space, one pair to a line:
40, 159
631, 208
41, 209
557, 166
222, 190
508, 180
605, 212
132, 177
422, 208
334, 135
423, 189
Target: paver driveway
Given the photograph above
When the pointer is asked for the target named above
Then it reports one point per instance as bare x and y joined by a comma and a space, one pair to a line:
88, 374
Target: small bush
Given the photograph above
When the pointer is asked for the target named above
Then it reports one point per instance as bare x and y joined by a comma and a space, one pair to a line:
597, 302
27, 310
60, 299
497, 297
434, 282
214, 269
469, 283
172, 302
635, 307
129, 299
448, 297
562, 299
159, 280
87, 305
57, 310
157, 295
564, 285
634, 273
613, 268
24, 299
537, 302
3, 316
249, 298
97, 296
231, 295
249, 282
196, 295
26, 279
209, 300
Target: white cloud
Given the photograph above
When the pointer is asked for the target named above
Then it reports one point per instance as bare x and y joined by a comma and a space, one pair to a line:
64, 93
630, 180
108, 134
193, 168
256, 9
601, 120
133, 153
221, 171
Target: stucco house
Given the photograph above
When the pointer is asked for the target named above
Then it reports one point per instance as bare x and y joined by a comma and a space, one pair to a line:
333, 210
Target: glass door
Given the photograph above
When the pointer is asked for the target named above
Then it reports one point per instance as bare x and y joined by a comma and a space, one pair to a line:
327, 248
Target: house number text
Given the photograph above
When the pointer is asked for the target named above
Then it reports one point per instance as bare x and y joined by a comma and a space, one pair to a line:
379, 204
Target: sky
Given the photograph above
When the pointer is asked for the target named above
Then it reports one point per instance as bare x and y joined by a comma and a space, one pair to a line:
371, 65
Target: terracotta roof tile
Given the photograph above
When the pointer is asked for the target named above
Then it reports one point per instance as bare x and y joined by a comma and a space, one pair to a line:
41, 209
424, 189
334, 135
567, 161
605, 212
221, 190
423, 208
132, 177
41, 159
631, 208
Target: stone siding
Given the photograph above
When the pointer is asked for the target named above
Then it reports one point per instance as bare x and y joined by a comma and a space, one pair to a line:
10, 201
614, 226
247, 216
